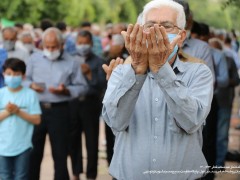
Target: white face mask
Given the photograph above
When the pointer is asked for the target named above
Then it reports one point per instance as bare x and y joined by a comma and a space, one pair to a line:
51, 55
83, 50
26, 47
29, 47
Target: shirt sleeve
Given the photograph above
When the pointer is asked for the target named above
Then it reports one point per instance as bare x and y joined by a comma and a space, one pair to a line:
34, 106
121, 96
206, 55
222, 77
188, 103
78, 85
29, 72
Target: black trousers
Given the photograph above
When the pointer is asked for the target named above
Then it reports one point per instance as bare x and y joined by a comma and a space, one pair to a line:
89, 111
55, 122
75, 145
209, 138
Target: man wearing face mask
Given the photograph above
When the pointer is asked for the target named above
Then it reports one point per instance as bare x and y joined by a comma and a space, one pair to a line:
9, 39
88, 107
57, 78
26, 43
156, 106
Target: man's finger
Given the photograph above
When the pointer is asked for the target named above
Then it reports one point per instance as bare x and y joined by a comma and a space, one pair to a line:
139, 36
153, 38
149, 41
111, 65
160, 40
133, 36
165, 38
105, 68
127, 35
144, 41
118, 61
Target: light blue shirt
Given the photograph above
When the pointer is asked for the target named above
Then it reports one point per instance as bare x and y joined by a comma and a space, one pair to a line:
201, 50
65, 70
16, 133
221, 68
157, 120
232, 54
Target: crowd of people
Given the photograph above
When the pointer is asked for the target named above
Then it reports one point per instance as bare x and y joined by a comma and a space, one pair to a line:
165, 87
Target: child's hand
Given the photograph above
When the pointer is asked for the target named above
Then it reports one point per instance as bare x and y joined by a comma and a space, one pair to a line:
12, 108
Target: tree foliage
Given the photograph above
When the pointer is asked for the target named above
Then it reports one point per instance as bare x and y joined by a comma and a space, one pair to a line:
217, 13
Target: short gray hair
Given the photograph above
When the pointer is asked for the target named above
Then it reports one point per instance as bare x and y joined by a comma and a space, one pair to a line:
25, 34
156, 4
56, 31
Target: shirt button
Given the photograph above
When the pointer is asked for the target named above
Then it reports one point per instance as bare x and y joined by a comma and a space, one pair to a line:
137, 82
156, 119
131, 80
154, 160
162, 81
156, 99
155, 137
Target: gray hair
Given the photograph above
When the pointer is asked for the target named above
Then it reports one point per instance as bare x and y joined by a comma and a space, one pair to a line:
156, 4
56, 31
25, 34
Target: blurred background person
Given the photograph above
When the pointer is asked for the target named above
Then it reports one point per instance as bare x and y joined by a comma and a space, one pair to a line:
57, 78
88, 107
9, 40
97, 45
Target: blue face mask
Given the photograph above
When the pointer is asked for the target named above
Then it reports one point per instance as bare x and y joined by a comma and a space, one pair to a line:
13, 82
170, 38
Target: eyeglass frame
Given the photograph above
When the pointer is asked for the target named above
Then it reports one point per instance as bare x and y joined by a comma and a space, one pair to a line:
161, 24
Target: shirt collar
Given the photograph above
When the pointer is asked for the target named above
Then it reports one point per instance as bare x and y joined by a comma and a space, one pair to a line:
178, 67
186, 42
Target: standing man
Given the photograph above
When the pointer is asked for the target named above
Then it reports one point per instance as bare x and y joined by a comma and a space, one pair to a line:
57, 79
157, 106
88, 107
9, 40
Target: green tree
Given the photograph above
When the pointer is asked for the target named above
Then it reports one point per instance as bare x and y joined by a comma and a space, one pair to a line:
22, 10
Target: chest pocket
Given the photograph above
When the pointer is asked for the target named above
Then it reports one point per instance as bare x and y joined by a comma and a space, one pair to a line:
172, 124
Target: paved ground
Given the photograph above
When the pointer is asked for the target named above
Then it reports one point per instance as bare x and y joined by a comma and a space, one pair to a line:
234, 144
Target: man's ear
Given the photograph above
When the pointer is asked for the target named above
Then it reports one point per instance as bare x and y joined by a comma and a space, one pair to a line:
183, 35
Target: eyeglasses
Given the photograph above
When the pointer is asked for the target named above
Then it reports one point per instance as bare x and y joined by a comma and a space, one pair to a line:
169, 27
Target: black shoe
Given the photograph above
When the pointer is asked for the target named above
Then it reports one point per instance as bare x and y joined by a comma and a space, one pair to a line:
233, 156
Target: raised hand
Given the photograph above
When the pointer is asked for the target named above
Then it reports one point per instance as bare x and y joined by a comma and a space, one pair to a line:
135, 43
159, 47
109, 68
86, 70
